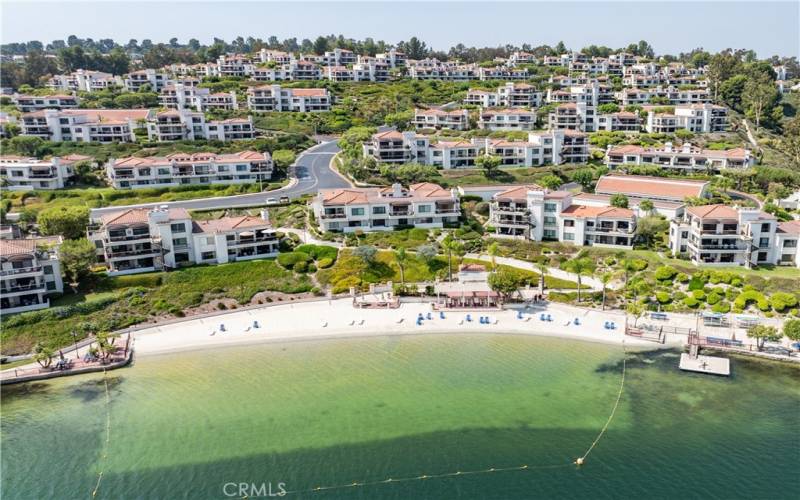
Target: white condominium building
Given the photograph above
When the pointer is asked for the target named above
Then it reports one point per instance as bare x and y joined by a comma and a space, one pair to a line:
514, 95
28, 103
536, 213
276, 56
588, 94
671, 95
719, 234
181, 169
84, 80
19, 173
338, 57
787, 239
547, 147
520, 57
275, 98
686, 157
179, 96
507, 119
698, 118
29, 272
622, 121
141, 240
85, 125
503, 73
573, 116
394, 58
440, 118
422, 205
185, 125
135, 80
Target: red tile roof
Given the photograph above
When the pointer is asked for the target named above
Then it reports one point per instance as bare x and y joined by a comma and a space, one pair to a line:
586, 212
645, 186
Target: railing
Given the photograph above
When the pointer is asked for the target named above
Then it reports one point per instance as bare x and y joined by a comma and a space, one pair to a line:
132, 253
22, 288
448, 211
114, 239
507, 208
341, 215
627, 230
20, 270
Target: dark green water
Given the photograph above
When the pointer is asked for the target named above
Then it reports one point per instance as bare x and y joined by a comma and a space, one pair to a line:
323, 413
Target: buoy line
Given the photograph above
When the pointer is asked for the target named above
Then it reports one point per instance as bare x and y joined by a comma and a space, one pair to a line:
579, 461
108, 435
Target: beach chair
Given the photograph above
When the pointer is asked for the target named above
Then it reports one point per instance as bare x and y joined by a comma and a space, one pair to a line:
519, 314
469, 318
222, 327
212, 333
549, 317
528, 318
461, 322
496, 320
480, 320
352, 323
430, 316
419, 321
248, 329
255, 324
400, 321
324, 324
542, 317
441, 315
577, 321
361, 322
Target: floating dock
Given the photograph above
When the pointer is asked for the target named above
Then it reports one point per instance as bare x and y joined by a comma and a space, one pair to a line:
705, 364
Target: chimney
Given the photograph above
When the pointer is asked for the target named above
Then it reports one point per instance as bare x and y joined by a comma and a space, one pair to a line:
397, 190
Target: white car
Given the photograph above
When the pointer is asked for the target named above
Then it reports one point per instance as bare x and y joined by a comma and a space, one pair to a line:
272, 201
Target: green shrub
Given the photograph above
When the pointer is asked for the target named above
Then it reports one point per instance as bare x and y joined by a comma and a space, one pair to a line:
663, 297
639, 264
289, 259
782, 300
749, 296
696, 283
300, 266
325, 263
721, 307
713, 298
682, 277
700, 295
319, 252
691, 302
665, 273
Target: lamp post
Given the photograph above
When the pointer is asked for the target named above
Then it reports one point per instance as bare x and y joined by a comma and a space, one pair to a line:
75, 339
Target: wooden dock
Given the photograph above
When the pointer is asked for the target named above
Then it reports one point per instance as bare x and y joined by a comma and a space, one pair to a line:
705, 364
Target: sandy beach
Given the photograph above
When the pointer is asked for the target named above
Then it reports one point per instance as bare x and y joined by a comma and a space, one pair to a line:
304, 321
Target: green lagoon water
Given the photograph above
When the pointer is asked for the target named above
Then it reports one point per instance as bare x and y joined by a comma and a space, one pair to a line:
333, 412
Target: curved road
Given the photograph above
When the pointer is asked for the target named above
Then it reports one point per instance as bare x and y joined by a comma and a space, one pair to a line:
311, 169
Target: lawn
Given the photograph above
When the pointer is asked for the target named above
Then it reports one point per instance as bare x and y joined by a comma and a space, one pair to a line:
119, 302
351, 270
513, 175
403, 238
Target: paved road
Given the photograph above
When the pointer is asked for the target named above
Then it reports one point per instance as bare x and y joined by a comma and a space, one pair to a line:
311, 170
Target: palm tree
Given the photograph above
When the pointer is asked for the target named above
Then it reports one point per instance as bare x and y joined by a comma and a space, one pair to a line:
452, 247
605, 278
105, 343
401, 257
725, 183
493, 250
580, 266
541, 266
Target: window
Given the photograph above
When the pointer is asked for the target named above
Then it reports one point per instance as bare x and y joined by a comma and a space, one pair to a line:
356, 211
763, 242
550, 207
208, 255
51, 285
790, 244
569, 223
765, 228
241, 168
209, 240
762, 256
48, 269
179, 242
178, 228
569, 236
423, 209
549, 221
378, 210
684, 234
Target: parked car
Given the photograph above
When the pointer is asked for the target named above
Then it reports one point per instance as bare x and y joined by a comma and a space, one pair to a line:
285, 199
272, 201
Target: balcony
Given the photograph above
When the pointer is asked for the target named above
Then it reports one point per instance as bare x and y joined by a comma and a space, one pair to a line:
498, 207
132, 253
601, 229
333, 215
21, 270
134, 237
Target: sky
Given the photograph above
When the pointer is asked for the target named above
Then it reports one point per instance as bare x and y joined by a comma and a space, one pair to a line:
769, 28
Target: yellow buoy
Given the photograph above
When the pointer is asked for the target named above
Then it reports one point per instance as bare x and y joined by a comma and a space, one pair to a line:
579, 461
